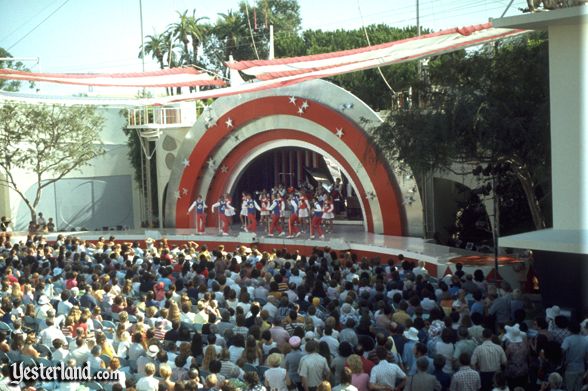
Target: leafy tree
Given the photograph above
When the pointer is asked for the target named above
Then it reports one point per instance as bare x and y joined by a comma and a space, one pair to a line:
48, 141
11, 85
488, 107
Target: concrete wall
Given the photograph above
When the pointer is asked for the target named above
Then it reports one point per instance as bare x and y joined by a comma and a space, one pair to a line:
101, 194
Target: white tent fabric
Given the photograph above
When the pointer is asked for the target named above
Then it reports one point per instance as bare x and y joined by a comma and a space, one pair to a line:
174, 77
287, 71
373, 56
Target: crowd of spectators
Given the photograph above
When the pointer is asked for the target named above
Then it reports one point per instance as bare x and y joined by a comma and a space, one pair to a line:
186, 317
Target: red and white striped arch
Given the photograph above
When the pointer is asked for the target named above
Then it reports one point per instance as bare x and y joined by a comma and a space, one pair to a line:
213, 157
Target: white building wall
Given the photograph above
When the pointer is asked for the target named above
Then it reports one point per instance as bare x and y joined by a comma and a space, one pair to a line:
103, 193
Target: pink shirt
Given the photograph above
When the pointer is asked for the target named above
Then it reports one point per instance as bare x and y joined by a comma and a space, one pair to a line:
361, 381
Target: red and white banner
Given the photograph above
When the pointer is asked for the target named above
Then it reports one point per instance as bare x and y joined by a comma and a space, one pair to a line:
173, 77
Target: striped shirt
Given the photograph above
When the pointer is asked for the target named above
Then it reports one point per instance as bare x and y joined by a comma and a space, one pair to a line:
466, 379
488, 357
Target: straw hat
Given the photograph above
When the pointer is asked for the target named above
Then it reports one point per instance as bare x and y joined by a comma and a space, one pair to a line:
152, 351
513, 333
412, 334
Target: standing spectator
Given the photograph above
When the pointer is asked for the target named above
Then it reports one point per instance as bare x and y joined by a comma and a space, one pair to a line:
385, 374
422, 380
488, 358
292, 360
517, 357
359, 378
575, 349
276, 378
313, 367
465, 379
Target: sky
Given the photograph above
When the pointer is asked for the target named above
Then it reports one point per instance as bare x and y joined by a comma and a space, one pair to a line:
79, 36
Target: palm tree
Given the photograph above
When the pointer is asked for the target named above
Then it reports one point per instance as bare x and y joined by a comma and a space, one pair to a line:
197, 32
180, 31
229, 28
155, 46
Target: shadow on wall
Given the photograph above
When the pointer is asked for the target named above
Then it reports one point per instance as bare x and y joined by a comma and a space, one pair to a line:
91, 203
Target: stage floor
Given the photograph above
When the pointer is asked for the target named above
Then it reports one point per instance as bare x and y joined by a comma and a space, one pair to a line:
345, 237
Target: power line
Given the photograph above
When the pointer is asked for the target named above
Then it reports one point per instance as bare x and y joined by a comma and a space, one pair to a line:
28, 20
39, 24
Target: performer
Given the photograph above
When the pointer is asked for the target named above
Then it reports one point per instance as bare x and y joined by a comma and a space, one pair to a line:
243, 214
265, 202
292, 206
317, 215
200, 205
226, 211
276, 209
328, 214
252, 207
303, 212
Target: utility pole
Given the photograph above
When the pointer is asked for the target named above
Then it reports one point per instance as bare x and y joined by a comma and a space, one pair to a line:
271, 42
147, 191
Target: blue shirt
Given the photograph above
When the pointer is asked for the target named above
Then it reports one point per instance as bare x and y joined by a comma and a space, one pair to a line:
575, 348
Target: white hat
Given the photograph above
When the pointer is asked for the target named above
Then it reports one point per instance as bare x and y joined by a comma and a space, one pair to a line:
513, 333
552, 312
309, 335
43, 299
412, 334
152, 350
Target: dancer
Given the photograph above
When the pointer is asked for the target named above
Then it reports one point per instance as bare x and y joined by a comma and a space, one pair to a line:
303, 212
276, 209
292, 207
328, 215
243, 214
200, 206
251, 206
226, 211
317, 216
264, 213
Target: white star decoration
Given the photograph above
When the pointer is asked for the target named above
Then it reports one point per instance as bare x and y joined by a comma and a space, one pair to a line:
178, 196
210, 163
370, 195
186, 163
292, 100
339, 133
229, 123
224, 169
304, 105
184, 191
300, 111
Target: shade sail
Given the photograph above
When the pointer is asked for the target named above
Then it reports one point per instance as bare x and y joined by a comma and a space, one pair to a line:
173, 77
345, 61
273, 73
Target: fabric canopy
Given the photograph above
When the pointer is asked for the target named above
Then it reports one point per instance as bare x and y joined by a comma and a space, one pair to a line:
286, 71
328, 64
174, 77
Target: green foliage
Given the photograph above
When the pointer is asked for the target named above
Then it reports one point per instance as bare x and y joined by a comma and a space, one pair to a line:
49, 141
485, 106
11, 85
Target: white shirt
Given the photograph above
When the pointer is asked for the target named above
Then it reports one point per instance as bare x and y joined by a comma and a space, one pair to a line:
49, 334
148, 383
385, 373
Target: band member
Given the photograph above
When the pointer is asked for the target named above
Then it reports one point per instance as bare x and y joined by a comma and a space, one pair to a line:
226, 211
317, 216
292, 207
200, 206
303, 212
276, 209
252, 207
328, 214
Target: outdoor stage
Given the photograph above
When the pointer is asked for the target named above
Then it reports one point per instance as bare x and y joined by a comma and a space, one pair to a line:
353, 238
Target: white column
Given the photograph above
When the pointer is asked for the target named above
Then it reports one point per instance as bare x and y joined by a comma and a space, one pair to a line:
568, 75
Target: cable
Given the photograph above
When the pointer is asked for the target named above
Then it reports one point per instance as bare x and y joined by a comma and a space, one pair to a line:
367, 37
40, 23
250, 30
25, 22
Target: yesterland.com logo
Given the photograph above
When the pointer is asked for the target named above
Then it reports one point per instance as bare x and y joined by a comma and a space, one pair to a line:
60, 372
